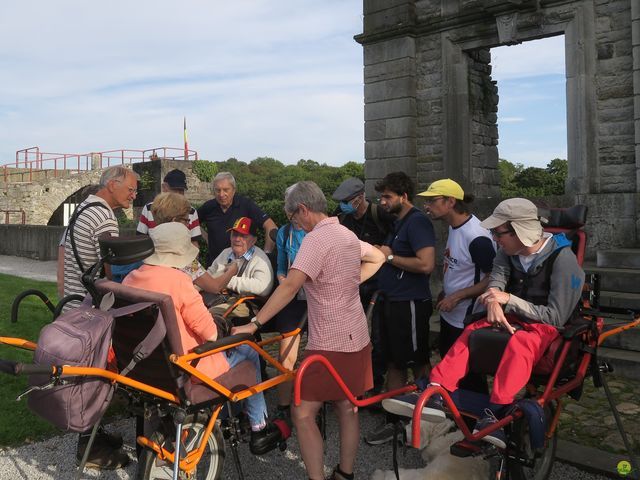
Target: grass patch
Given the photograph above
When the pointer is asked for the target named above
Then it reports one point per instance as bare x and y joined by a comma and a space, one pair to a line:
17, 423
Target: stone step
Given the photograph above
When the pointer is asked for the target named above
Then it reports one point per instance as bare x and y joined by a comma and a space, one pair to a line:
620, 299
625, 363
619, 258
616, 279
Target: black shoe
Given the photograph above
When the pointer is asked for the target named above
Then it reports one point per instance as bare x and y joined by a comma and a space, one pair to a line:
265, 440
114, 440
102, 455
497, 437
338, 474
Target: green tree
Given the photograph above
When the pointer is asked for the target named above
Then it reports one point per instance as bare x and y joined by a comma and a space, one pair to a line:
518, 181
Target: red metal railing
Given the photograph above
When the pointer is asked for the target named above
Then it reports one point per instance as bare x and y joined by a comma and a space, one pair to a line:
8, 213
31, 161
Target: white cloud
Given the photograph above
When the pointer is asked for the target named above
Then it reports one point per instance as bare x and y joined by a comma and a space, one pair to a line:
511, 119
249, 76
529, 59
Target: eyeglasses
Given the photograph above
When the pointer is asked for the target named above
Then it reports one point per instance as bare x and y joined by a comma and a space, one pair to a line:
430, 200
293, 214
132, 191
498, 234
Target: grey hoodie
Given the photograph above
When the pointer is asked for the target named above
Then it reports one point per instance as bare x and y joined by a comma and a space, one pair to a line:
567, 279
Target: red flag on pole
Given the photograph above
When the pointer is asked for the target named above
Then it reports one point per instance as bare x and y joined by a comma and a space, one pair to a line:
186, 142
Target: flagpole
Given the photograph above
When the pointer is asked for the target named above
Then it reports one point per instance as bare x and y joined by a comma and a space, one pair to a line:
186, 143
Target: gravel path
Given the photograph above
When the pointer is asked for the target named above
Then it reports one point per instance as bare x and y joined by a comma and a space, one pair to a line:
54, 458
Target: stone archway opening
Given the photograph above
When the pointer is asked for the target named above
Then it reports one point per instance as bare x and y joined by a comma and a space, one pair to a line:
62, 214
532, 114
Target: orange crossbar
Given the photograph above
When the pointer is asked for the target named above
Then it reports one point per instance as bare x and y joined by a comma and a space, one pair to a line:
69, 371
18, 342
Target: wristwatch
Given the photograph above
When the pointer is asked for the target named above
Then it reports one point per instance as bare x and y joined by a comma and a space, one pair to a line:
389, 258
255, 321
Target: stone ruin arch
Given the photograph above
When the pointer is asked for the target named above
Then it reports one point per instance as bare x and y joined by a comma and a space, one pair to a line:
41, 198
430, 102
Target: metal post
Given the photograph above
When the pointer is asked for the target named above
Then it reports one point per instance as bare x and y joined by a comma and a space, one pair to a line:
176, 452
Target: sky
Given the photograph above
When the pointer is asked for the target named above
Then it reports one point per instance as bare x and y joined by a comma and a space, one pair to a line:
253, 78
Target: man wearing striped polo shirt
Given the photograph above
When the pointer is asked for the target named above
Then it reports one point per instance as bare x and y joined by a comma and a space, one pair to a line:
118, 188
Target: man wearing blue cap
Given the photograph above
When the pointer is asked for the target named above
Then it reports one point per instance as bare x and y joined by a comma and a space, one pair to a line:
371, 224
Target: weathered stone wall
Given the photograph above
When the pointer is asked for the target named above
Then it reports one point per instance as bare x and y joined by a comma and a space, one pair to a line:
41, 197
39, 242
442, 122
614, 88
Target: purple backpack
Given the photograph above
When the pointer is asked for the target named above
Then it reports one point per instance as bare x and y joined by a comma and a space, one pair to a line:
79, 337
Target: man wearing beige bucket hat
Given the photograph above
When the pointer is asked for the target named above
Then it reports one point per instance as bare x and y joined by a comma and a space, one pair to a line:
536, 284
162, 272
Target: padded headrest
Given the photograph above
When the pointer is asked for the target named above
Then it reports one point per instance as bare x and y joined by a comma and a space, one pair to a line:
125, 250
571, 217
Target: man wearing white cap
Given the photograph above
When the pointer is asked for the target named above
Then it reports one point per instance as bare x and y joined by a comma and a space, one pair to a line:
535, 286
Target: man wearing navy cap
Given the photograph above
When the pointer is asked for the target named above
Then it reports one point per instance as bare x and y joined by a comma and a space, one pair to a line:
175, 181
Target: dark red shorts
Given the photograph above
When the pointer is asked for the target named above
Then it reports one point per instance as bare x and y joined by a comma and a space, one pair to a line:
354, 368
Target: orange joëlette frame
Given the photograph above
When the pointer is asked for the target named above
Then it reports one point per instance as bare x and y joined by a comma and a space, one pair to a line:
191, 460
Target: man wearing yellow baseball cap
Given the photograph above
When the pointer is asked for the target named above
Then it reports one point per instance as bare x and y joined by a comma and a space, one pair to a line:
468, 257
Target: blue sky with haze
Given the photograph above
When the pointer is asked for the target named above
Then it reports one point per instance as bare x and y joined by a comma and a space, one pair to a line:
253, 77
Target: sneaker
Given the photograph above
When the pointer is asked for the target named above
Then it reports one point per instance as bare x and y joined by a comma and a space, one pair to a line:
404, 405
102, 455
385, 433
265, 440
497, 437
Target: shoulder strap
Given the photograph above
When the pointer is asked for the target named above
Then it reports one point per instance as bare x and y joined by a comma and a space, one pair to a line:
71, 228
376, 218
287, 235
153, 338
405, 218
243, 267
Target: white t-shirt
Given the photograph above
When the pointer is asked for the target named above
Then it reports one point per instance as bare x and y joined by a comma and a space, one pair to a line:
468, 257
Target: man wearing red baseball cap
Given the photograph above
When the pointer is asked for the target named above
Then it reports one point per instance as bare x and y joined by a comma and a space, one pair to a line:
255, 275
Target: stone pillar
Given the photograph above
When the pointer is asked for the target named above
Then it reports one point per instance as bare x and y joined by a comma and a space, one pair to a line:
390, 108
457, 119
635, 53
582, 135
96, 161
389, 88
635, 45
